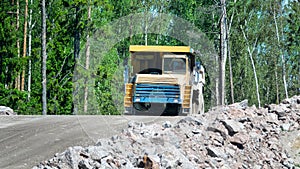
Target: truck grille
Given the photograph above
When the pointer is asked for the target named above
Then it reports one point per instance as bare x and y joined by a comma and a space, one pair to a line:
157, 93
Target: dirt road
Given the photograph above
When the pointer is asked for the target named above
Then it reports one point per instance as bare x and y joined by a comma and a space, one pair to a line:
27, 140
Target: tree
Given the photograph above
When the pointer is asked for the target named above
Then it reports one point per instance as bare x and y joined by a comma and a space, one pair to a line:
87, 60
250, 52
76, 46
229, 53
223, 52
245, 38
279, 37
29, 51
17, 81
262, 50
44, 58
24, 44
292, 32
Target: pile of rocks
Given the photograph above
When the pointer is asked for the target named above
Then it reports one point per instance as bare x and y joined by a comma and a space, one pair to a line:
234, 136
6, 111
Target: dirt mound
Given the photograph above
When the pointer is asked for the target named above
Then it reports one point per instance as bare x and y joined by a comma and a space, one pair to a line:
234, 136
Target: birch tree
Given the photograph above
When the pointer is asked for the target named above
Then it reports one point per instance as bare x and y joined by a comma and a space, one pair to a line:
87, 60
229, 53
223, 52
44, 59
76, 48
279, 37
17, 80
293, 47
29, 51
24, 44
250, 52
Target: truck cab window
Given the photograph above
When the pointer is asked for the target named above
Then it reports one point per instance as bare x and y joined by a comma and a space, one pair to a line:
175, 65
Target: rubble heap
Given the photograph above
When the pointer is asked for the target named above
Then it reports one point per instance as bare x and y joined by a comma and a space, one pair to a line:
234, 136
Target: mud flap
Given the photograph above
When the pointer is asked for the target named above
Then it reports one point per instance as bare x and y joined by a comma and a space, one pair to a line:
195, 102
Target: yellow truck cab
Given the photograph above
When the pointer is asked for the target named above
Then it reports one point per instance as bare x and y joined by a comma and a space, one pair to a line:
167, 77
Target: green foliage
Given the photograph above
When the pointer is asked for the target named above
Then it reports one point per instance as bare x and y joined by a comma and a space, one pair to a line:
66, 18
17, 100
105, 88
257, 20
293, 46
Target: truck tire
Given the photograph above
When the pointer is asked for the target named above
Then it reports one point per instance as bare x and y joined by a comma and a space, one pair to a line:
142, 106
171, 109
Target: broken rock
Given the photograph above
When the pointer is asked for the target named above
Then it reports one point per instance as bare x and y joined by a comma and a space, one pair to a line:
239, 139
226, 137
216, 152
233, 127
285, 127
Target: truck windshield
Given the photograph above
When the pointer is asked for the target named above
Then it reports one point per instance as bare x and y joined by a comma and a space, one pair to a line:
174, 65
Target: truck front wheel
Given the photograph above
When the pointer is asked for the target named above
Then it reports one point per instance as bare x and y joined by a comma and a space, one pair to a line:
171, 109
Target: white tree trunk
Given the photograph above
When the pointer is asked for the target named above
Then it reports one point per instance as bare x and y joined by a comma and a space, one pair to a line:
282, 56
87, 63
17, 80
215, 98
29, 51
229, 58
44, 59
250, 52
277, 86
217, 82
76, 58
255, 76
24, 44
231, 77
223, 52
146, 32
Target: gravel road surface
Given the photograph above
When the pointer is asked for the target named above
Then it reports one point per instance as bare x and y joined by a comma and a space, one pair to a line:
27, 140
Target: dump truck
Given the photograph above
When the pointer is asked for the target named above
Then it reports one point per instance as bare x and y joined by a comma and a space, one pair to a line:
164, 80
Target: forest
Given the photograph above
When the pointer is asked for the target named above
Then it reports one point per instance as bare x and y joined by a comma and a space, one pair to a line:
69, 57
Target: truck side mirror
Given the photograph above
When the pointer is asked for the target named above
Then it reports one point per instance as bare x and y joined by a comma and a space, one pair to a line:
196, 75
198, 72
198, 65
